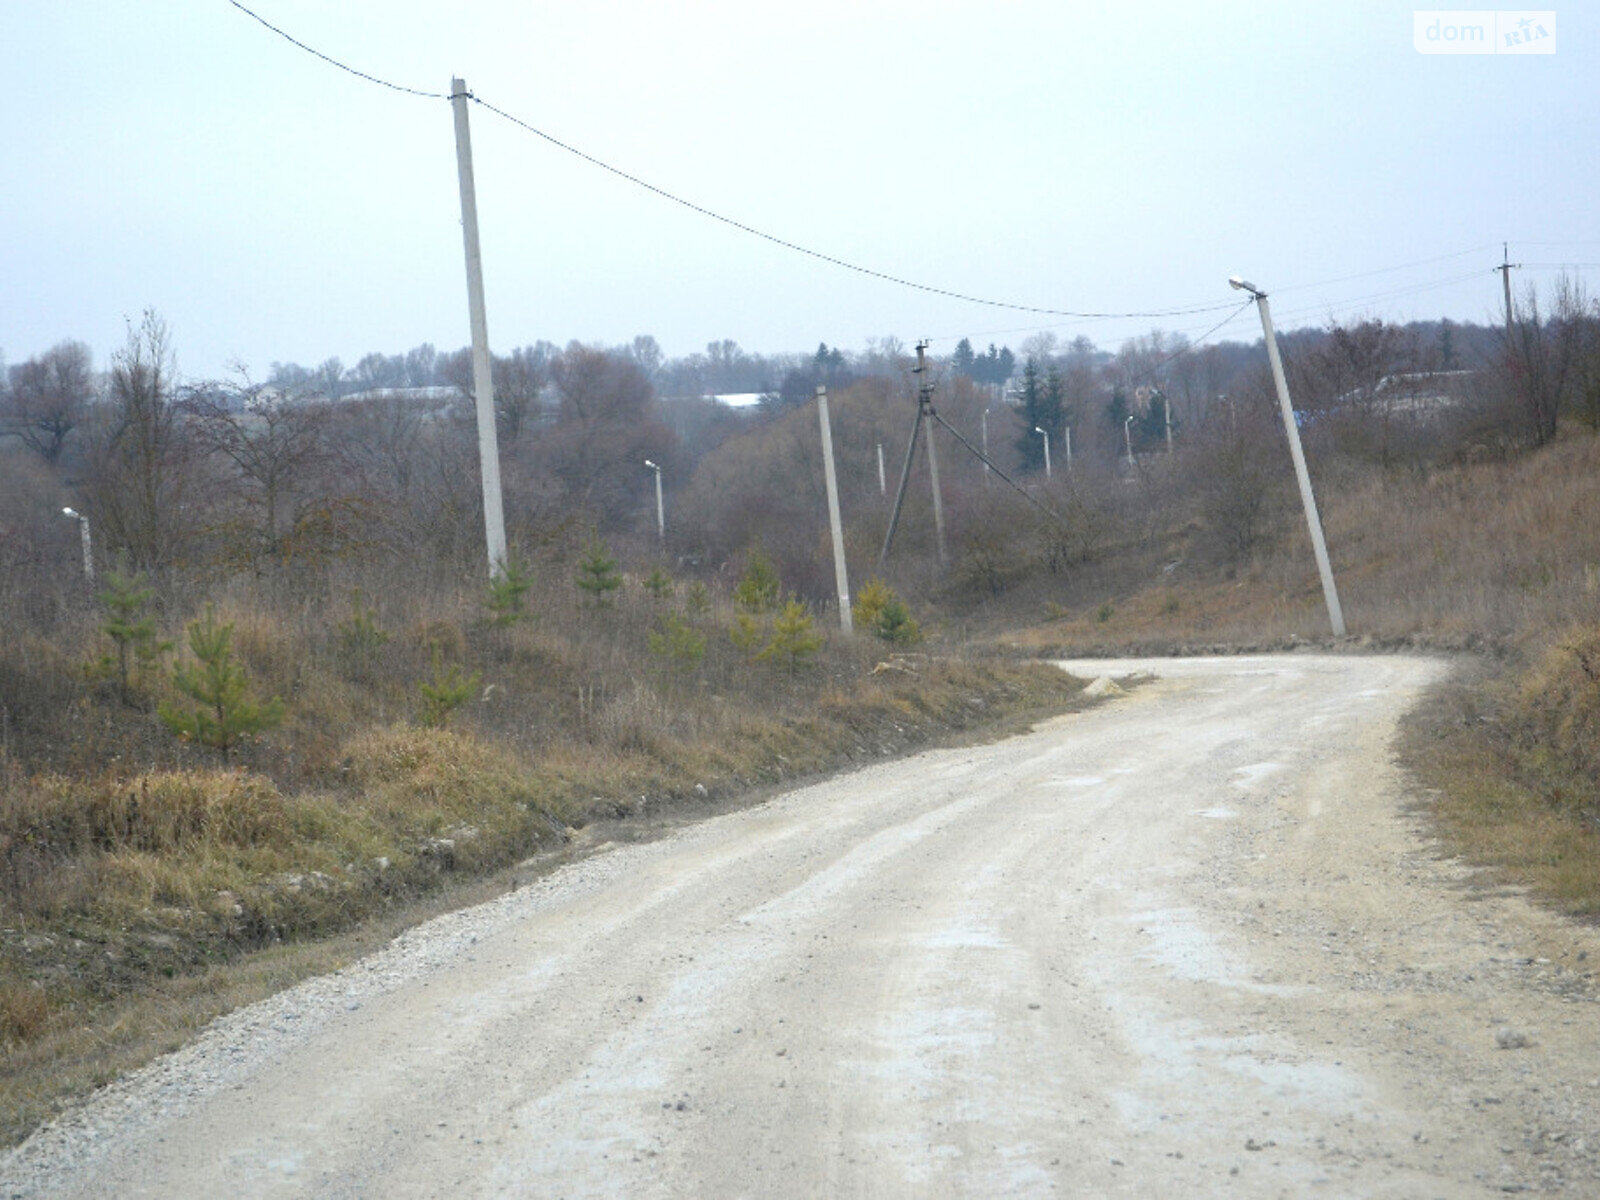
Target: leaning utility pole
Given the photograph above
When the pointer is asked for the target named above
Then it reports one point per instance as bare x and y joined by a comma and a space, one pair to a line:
494, 521
1319, 546
925, 405
835, 526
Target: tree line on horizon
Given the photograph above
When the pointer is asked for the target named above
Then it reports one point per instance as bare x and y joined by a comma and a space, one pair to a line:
234, 473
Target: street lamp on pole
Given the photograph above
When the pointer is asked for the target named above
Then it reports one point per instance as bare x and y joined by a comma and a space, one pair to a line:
1330, 593
1046, 436
661, 512
1127, 438
88, 548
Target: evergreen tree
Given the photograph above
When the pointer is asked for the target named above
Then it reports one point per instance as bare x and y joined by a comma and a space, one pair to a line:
747, 634
360, 638
697, 603
130, 628
678, 644
448, 692
1043, 399
794, 642
962, 358
659, 584
994, 365
217, 683
760, 588
508, 592
880, 610
597, 574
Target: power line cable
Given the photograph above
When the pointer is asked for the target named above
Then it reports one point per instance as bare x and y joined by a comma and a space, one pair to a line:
1420, 262
886, 277
1056, 327
334, 62
829, 258
1357, 301
702, 210
984, 459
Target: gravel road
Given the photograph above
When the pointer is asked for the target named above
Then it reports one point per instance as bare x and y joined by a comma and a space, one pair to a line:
1193, 942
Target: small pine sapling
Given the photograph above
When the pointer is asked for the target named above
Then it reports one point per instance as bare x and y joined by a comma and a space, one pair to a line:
447, 692
760, 588
794, 642
659, 584
697, 601
131, 629
361, 638
895, 624
678, 644
224, 713
508, 591
880, 610
597, 574
747, 634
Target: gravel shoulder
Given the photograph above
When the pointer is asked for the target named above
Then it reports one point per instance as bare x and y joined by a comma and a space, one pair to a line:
1192, 942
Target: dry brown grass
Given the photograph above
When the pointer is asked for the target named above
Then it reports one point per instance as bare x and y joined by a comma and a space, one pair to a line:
1500, 557
1506, 550
1522, 815
139, 902
1501, 554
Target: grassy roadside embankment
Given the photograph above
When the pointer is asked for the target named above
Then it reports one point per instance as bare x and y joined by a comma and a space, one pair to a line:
140, 904
149, 884
1494, 563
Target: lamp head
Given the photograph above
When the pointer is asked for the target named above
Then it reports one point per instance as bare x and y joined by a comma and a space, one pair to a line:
651, 465
69, 512
1244, 285
1036, 429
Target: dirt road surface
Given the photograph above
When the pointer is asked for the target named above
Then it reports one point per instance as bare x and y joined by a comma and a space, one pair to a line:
1194, 942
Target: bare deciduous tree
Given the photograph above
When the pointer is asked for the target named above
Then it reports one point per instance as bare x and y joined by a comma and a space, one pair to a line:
606, 427
1543, 357
273, 446
140, 470
46, 398
1366, 378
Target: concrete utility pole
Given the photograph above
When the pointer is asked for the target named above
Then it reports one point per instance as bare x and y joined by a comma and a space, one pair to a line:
494, 521
1046, 436
883, 483
835, 526
1166, 408
661, 511
1505, 269
924, 413
1068, 432
1330, 593
925, 410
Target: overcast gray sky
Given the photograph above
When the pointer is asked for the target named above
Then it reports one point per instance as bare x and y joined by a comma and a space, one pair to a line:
1117, 157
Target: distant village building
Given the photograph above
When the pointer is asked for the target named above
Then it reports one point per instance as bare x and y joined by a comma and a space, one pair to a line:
433, 395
